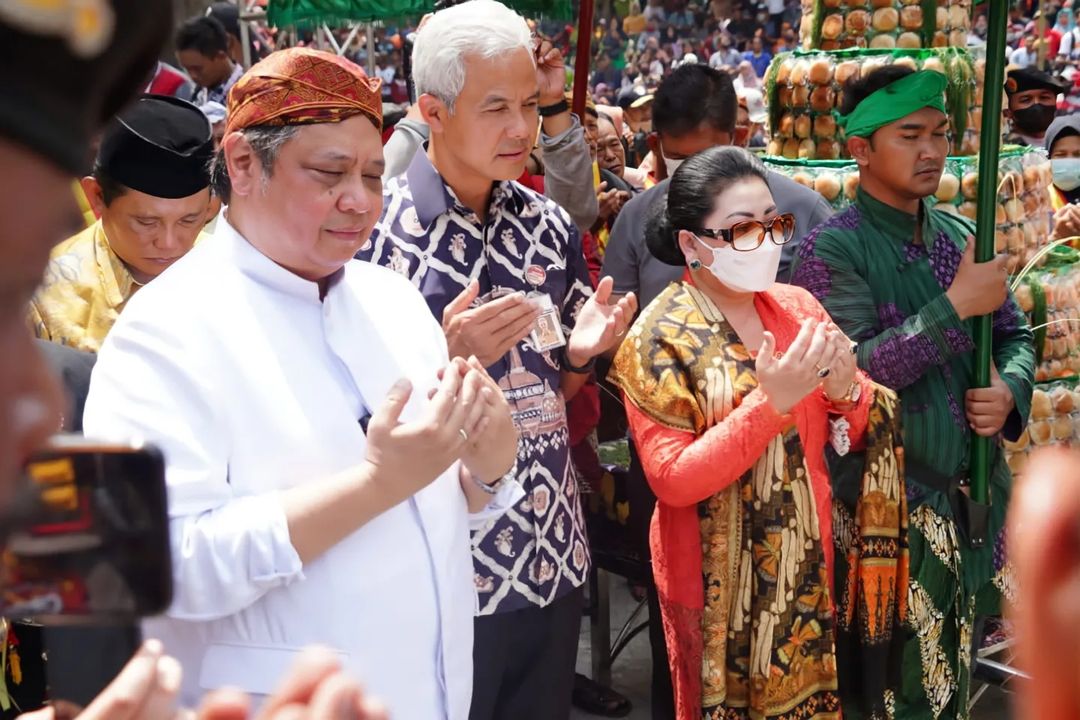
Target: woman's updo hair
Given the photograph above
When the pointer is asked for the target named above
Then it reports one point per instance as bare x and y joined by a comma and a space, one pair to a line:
691, 196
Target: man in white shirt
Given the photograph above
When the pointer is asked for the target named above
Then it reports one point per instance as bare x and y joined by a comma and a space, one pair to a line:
311, 421
1025, 55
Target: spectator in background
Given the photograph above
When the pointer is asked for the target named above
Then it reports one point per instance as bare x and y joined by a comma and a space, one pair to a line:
605, 71
202, 47
682, 18
726, 55
1032, 105
758, 57
636, 106
1063, 146
1069, 49
228, 14
634, 24
750, 124
654, 11
150, 189
747, 78
1025, 55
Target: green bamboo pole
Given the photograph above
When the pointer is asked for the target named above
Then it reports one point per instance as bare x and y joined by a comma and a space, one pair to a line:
989, 147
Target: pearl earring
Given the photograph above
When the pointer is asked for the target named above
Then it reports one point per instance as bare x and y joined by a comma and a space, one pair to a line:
695, 264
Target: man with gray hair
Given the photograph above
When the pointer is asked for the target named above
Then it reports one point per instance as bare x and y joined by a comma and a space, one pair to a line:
502, 268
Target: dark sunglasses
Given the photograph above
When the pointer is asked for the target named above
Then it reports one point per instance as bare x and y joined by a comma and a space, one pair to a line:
749, 235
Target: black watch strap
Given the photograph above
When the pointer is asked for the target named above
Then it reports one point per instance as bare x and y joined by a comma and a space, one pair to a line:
556, 109
569, 367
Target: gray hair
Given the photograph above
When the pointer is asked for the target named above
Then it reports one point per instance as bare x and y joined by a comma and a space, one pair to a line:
484, 29
265, 141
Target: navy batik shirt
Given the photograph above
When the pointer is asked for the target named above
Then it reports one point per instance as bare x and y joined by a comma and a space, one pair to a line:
537, 551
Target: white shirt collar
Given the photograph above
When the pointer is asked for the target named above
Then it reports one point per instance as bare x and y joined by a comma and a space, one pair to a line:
260, 268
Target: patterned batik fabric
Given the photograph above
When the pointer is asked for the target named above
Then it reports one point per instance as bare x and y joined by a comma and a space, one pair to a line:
298, 86
763, 639
82, 293
882, 275
536, 552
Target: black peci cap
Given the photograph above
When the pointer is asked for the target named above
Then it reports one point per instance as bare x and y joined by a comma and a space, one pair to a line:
69, 67
160, 146
1031, 78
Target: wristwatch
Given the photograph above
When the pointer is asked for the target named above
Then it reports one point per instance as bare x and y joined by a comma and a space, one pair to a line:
570, 367
493, 488
557, 109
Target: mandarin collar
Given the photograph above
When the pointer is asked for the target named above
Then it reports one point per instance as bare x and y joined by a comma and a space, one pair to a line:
257, 266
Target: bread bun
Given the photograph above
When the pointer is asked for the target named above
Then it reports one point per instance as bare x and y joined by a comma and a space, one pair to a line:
821, 71
787, 125
775, 147
941, 40
847, 70
857, 22
1025, 298
791, 149
851, 185
935, 64
802, 126
907, 62
1021, 443
1016, 462
885, 19
803, 179
831, 27
783, 96
911, 17
968, 210
799, 71
948, 188
828, 186
828, 149
822, 98
878, 4
783, 72
958, 38
807, 150
1041, 432
909, 41
1062, 399
1063, 428
958, 18
800, 96
883, 42
825, 126
969, 185
1014, 210
999, 214
1041, 407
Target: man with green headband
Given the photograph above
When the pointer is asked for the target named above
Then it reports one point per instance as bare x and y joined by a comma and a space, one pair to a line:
901, 280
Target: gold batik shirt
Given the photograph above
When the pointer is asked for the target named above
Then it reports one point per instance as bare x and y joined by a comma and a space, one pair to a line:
85, 287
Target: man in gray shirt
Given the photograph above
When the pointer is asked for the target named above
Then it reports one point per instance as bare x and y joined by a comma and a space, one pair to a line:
694, 109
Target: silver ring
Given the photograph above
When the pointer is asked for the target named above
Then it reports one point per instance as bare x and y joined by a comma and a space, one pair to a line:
464, 435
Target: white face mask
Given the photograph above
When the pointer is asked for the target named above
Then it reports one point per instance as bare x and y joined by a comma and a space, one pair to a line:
753, 271
671, 165
1066, 173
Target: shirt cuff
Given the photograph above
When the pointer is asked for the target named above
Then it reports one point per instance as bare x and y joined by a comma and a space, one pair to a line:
507, 496
548, 143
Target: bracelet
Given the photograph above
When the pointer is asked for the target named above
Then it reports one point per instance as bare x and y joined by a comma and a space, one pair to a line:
493, 488
557, 109
570, 367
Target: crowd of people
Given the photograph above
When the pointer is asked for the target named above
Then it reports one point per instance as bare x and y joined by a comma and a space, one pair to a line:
373, 353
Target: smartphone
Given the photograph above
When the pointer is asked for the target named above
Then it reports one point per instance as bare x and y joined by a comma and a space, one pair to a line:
91, 540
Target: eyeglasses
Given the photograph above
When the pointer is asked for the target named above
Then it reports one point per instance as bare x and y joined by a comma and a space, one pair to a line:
749, 235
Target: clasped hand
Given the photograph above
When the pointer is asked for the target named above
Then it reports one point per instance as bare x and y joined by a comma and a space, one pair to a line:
789, 377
